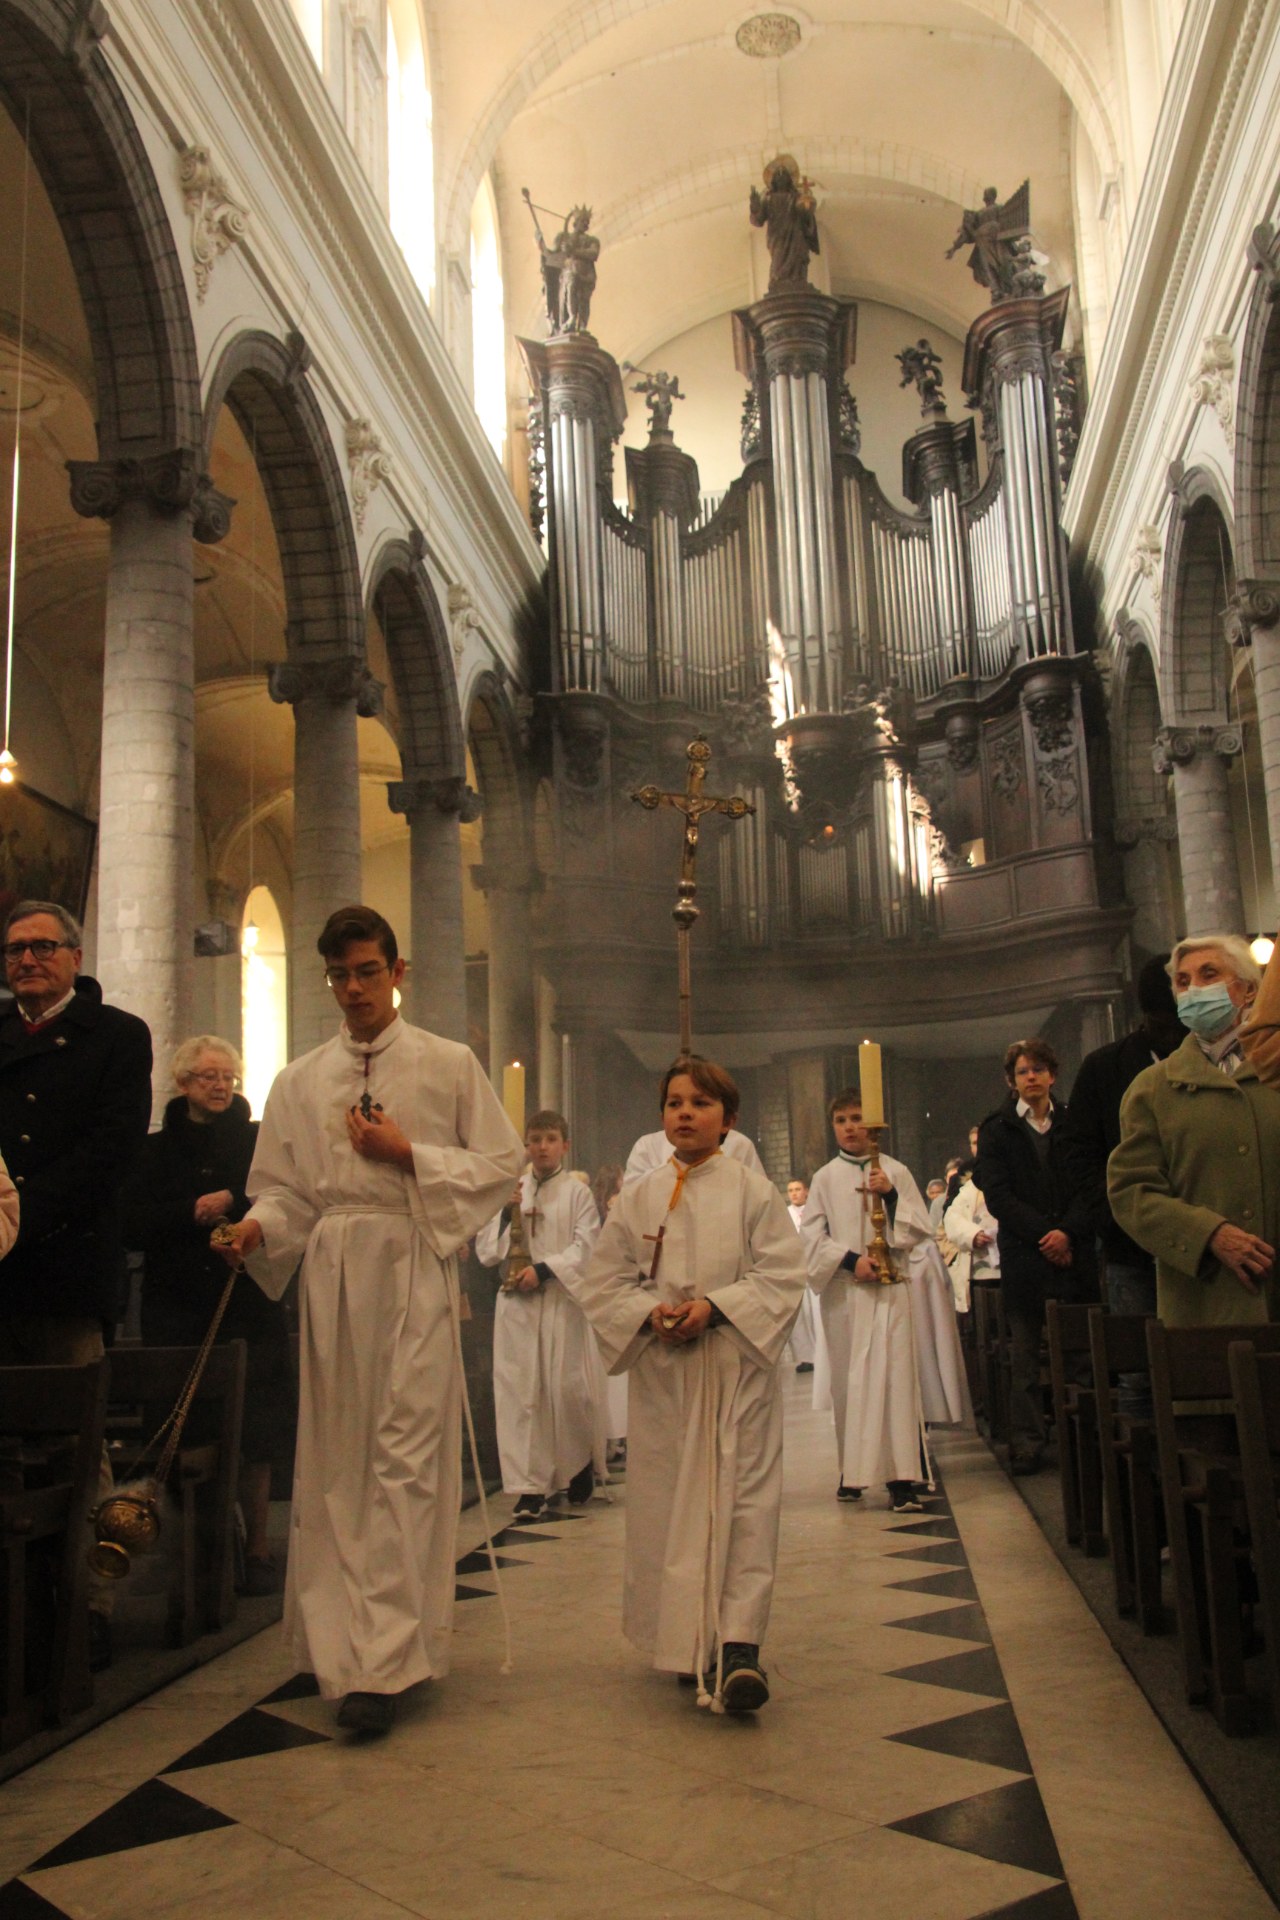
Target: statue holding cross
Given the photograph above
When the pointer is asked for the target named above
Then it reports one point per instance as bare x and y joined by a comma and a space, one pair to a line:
692, 803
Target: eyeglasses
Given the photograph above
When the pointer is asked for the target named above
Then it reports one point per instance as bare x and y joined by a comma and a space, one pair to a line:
212, 1077
364, 976
38, 949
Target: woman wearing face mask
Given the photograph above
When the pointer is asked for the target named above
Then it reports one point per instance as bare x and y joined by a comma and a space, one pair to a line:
1195, 1176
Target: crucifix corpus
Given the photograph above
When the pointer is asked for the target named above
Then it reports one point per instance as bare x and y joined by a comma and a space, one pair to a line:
692, 803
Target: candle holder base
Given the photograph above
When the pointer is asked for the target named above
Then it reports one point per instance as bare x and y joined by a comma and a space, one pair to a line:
879, 1252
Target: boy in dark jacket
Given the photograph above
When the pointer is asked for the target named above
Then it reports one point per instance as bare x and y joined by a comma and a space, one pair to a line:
1046, 1228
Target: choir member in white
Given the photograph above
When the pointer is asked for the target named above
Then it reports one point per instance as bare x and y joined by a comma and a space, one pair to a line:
803, 1342
692, 1288
380, 1154
869, 1328
546, 1372
654, 1150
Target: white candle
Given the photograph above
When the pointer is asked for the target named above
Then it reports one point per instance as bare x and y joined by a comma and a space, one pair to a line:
871, 1084
513, 1095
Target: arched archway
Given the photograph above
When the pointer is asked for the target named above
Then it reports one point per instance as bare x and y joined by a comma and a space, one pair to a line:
506, 876
1145, 827
1257, 502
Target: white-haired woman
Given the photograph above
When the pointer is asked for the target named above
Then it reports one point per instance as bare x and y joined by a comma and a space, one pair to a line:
1193, 1178
191, 1174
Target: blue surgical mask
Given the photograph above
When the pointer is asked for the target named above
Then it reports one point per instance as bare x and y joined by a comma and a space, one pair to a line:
1207, 1010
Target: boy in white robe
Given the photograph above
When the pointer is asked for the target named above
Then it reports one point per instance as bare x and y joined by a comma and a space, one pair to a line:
545, 1371
802, 1344
654, 1150
692, 1288
870, 1336
379, 1155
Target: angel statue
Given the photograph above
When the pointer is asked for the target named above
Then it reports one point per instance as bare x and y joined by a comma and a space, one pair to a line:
922, 367
1000, 238
787, 213
659, 390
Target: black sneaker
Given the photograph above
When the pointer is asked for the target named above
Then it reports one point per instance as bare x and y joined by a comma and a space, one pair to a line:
804, 1366
744, 1685
367, 1712
582, 1486
530, 1506
848, 1493
908, 1503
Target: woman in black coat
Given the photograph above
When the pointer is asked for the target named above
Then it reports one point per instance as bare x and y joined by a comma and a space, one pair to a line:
192, 1174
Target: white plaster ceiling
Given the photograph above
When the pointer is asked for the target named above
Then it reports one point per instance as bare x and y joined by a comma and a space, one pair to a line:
648, 110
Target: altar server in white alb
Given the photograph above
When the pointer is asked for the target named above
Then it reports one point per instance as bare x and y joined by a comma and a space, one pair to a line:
654, 1150
379, 1155
546, 1373
870, 1337
802, 1345
692, 1288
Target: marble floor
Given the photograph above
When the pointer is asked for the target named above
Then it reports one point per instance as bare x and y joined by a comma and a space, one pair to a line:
950, 1736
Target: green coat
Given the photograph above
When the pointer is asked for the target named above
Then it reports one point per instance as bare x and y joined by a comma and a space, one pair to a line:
1198, 1147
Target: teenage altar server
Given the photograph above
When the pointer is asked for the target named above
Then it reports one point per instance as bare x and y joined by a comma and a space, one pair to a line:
692, 1288
379, 1155
545, 1370
870, 1337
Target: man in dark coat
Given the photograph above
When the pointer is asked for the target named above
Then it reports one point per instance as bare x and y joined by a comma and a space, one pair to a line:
1046, 1228
1090, 1134
75, 1102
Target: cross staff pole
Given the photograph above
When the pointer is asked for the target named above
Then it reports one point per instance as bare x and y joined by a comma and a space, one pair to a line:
692, 803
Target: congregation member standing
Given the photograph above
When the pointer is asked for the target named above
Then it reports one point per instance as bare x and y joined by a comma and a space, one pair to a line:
380, 1153
545, 1371
75, 1101
870, 1337
692, 1289
1046, 1228
1193, 1179
190, 1176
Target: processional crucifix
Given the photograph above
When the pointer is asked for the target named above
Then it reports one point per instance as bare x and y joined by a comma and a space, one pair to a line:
692, 803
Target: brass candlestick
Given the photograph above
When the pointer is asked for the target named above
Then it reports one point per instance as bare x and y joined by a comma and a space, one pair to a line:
517, 1251
878, 1253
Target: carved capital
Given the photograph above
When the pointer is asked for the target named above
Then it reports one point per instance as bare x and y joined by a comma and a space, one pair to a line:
451, 796
1052, 717
1130, 832
1179, 746
301, 359
168, 482
217, 221
463, 618
1147, 558
1262, 256
290, 682
369, 467
1255, 603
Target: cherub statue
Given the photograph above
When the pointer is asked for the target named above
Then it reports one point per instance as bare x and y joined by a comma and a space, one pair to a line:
993, 231
921, 366
659, 390
786, 211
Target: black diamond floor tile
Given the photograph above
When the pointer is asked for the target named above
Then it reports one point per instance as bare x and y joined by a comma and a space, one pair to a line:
988, 1734
946, 1553
245, 1738
524, 1536
1051, 1903
472, 1593
957, 1585
479, 1562
20, 1902
1007, 1824
153, 1812
957, 1623
932, 1527
975, 1672
303, 1686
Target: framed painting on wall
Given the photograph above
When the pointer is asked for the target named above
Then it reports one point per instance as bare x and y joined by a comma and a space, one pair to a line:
46, 851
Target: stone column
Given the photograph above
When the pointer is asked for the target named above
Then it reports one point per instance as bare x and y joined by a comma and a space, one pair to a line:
326, 697
1145, 844
436, 989
1253, 619
512, 1025
146, 905
1198, 758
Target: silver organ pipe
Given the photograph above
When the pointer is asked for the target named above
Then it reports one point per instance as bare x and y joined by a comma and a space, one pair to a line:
829, 628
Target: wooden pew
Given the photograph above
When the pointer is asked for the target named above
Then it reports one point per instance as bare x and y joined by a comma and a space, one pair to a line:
1255, 1381
1127, 1451
1075, 1416
991, 1339
205, 1475
1200, 1476
48, 1487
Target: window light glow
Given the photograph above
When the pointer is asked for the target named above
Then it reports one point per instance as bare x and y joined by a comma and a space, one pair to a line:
410, 161
488, 332
264, 997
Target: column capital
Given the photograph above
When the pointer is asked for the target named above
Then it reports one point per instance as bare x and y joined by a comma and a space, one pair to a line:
417, 793
505, 877
1179, 746
1127, 833
169, 483
1255, 603
289, 682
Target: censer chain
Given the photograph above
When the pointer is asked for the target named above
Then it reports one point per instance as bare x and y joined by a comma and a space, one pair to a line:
177, 1419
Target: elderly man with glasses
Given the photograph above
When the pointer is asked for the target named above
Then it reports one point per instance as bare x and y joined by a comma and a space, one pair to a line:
75, 1102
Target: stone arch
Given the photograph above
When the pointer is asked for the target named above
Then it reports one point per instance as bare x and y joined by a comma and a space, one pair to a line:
432, 743
1145, 829
491, 735
1257, 462
100, 182
1199, 580
263, 382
